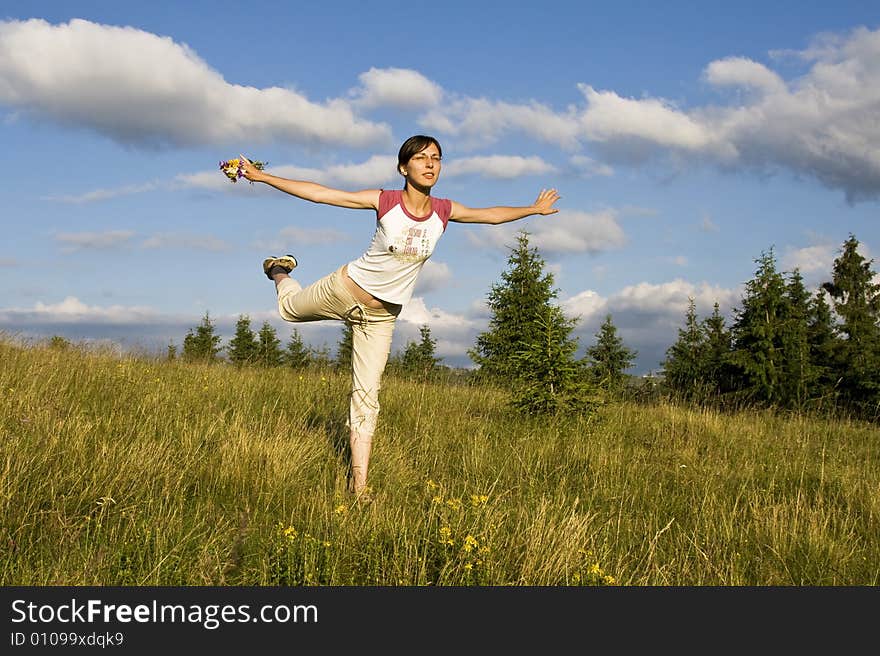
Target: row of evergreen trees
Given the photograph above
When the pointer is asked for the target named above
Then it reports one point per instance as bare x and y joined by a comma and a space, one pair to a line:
788, 347
528, 347
263, 348
785, 348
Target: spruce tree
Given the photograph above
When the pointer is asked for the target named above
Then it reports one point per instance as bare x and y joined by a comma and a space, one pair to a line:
798, 372
757, 334
319, 357
269, 347
609, 358
344, 348
856, 299
243, 347
716, 366
824, 348
518, 305
684, 368
202, 344
418, 358
528, 347
296, 354
556, 382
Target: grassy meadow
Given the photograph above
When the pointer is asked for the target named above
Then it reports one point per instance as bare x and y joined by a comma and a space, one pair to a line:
126, 470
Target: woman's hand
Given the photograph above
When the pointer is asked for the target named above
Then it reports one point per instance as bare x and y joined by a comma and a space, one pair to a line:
544, 203
248, 170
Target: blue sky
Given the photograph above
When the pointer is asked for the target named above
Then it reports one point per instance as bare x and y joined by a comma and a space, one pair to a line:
685, 139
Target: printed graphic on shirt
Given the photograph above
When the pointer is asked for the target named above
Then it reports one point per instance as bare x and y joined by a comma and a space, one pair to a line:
412, 246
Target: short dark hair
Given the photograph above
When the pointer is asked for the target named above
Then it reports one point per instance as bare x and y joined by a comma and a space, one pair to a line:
415, 144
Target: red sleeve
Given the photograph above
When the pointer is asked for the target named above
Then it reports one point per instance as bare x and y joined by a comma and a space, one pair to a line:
443, 208
387, 200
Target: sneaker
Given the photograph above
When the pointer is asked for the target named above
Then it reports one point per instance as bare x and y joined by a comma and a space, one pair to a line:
288, 262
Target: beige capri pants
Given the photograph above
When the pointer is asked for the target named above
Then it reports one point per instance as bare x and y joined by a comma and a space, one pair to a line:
371, 331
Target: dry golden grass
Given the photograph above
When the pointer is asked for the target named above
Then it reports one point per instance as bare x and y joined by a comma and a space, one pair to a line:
129, 471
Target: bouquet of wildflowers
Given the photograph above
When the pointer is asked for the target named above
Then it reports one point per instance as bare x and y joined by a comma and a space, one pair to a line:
232, 168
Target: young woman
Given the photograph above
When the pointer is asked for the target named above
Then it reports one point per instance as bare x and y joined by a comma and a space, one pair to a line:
369, 292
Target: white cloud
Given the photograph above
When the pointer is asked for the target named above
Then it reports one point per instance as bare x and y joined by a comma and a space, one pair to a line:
585, 305
290, 238
822, 125
578, 232
374, 172
187, 241
212, 180
455, 333
498, 166
816, 261
742, 72
416, 312
652, 120
434, 275
154, 91
481, 120
646, 315
564, 232
587, 167
143, 89
671, 298
396, 87
72, 310
104, 194
479, 309
810, 259
76, 241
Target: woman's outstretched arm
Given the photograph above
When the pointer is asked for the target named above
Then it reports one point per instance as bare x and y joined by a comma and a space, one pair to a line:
495, 215
312, 191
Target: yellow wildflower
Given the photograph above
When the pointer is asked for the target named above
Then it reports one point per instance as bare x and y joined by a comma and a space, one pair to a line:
454, 504
446, 536
341, 509
478, 500
290, 533
431, 485
437, 499
470, 542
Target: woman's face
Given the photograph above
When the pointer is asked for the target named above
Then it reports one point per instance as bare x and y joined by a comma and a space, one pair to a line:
423, 168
